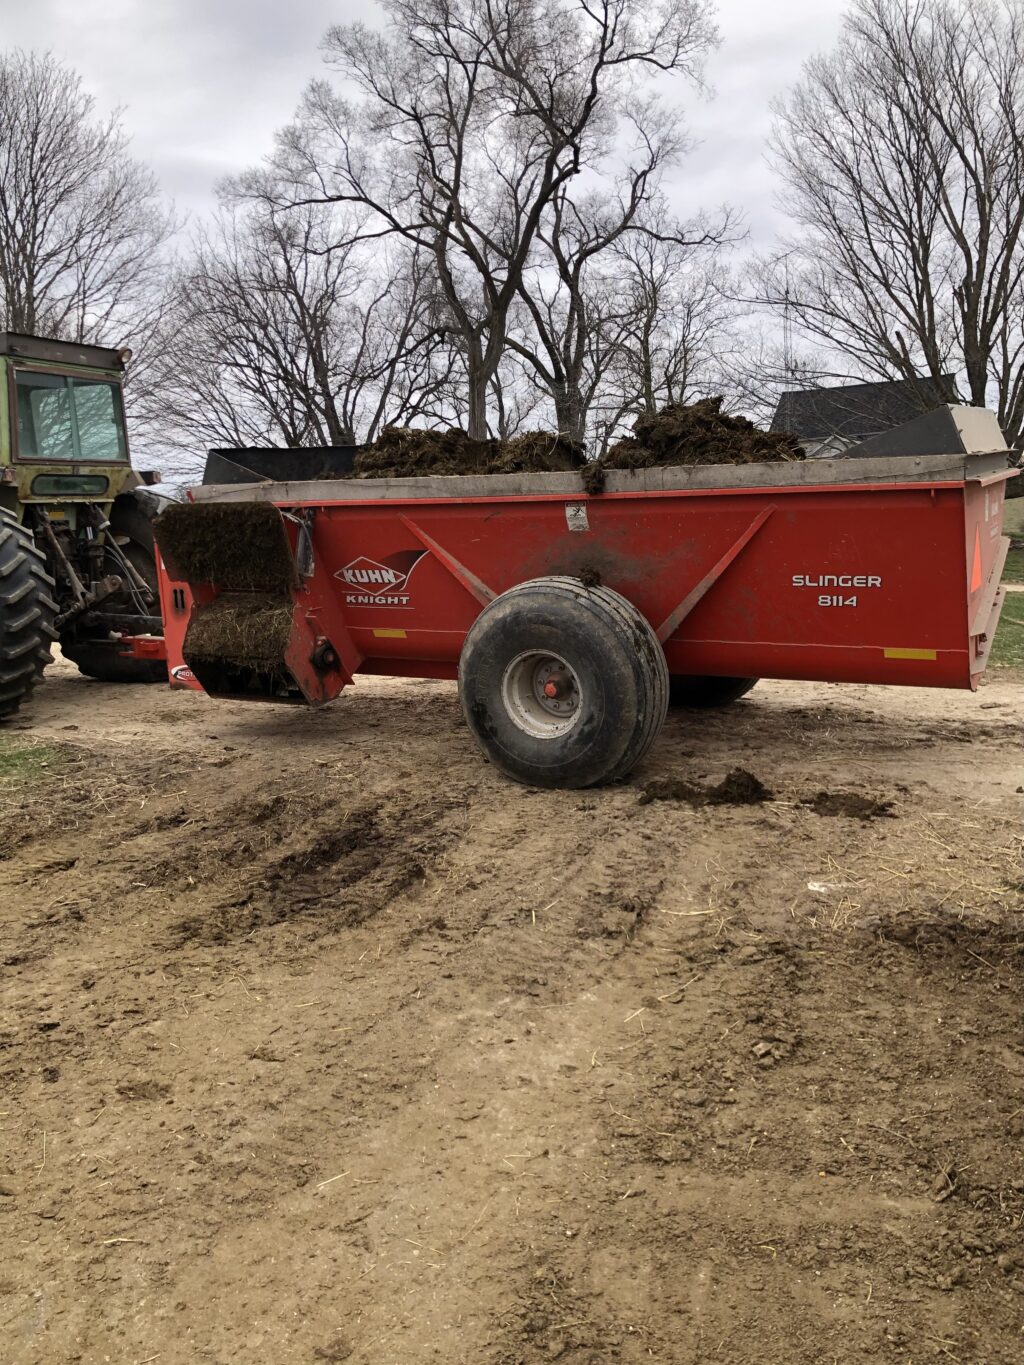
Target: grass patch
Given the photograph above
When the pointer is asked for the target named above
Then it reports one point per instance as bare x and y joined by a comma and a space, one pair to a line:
1008, 646
1013, 516
22, 763
1014, 571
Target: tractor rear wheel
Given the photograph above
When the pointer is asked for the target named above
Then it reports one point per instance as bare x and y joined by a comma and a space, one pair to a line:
694, 690
563, 685
27, 612
132, 529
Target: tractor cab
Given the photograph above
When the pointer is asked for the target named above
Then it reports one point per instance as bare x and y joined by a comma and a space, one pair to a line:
63, 438
69, 493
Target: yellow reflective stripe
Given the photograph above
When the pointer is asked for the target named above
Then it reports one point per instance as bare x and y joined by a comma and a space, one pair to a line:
911, 653
387, 633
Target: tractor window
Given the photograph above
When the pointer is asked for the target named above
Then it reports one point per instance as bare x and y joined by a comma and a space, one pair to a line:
61, 418
100, 425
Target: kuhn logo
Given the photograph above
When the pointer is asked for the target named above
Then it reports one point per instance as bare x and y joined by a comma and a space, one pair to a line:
384, 583
372, 577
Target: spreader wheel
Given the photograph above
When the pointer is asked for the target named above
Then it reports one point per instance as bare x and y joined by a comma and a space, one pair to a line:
563, 685
27, 612
693, 690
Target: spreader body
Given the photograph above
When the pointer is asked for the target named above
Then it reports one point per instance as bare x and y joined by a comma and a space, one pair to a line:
882, 570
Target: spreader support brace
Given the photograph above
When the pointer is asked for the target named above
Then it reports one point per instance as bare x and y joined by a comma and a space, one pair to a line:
675, 617
473, 585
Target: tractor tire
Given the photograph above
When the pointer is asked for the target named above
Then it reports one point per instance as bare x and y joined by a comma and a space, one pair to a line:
27, 612
563, 685
706, 692
101, 659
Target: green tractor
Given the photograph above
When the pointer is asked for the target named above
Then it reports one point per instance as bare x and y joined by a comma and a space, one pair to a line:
76, 539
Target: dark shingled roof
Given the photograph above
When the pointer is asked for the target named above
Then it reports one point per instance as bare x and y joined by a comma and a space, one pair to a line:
854, 411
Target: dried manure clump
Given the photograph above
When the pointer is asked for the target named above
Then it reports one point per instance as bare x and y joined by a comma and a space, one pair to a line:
249, 629
543, 451
692, 434
849, 803
404, 452
239, 546
738, 788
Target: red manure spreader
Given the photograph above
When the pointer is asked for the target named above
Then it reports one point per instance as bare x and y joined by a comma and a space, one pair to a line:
571, 620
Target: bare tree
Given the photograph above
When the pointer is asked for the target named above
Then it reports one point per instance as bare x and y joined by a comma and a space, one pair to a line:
758, 369
517, 402
581, 290
903, 157
566, 332
673, 323
279, 336
471, 117
82, 227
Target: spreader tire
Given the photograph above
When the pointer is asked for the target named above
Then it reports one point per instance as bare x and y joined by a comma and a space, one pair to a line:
563, 685
706, 692
27, 612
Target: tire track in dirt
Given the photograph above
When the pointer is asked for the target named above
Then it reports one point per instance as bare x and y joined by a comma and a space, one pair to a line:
529, 1097
758, 1208
507, 1116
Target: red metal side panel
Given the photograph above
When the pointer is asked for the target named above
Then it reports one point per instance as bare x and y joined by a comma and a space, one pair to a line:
856, 584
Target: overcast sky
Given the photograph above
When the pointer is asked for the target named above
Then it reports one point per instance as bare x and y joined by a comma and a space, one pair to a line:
204, 83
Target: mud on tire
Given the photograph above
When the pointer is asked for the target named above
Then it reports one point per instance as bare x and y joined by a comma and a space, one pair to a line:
563, 685
27, 612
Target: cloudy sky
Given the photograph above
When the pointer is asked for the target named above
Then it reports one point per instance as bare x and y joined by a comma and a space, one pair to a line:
204, 83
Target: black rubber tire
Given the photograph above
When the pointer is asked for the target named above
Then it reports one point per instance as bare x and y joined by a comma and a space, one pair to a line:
617, 659
101, 659
27, 612
704, 692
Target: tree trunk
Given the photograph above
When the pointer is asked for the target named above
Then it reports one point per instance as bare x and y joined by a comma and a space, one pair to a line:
481, 365
476, 418
570, 417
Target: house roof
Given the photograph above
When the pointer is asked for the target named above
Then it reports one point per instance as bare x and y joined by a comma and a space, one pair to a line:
855, 411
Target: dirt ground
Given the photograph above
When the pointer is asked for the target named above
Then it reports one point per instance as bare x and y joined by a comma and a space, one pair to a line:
321, 1042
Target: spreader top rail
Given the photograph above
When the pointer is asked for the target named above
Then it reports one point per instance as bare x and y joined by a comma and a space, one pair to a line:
788, 474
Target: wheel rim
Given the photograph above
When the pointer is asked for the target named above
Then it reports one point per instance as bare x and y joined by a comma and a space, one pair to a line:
541, 694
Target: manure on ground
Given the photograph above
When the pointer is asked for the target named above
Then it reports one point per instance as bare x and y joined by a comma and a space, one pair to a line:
848, 803
738, 788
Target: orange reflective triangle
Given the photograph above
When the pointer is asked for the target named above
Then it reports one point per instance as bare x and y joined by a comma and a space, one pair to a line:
976, 571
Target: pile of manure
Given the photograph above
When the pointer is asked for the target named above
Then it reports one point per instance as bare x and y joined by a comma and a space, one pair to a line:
249, 629
408, 452
684, 434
